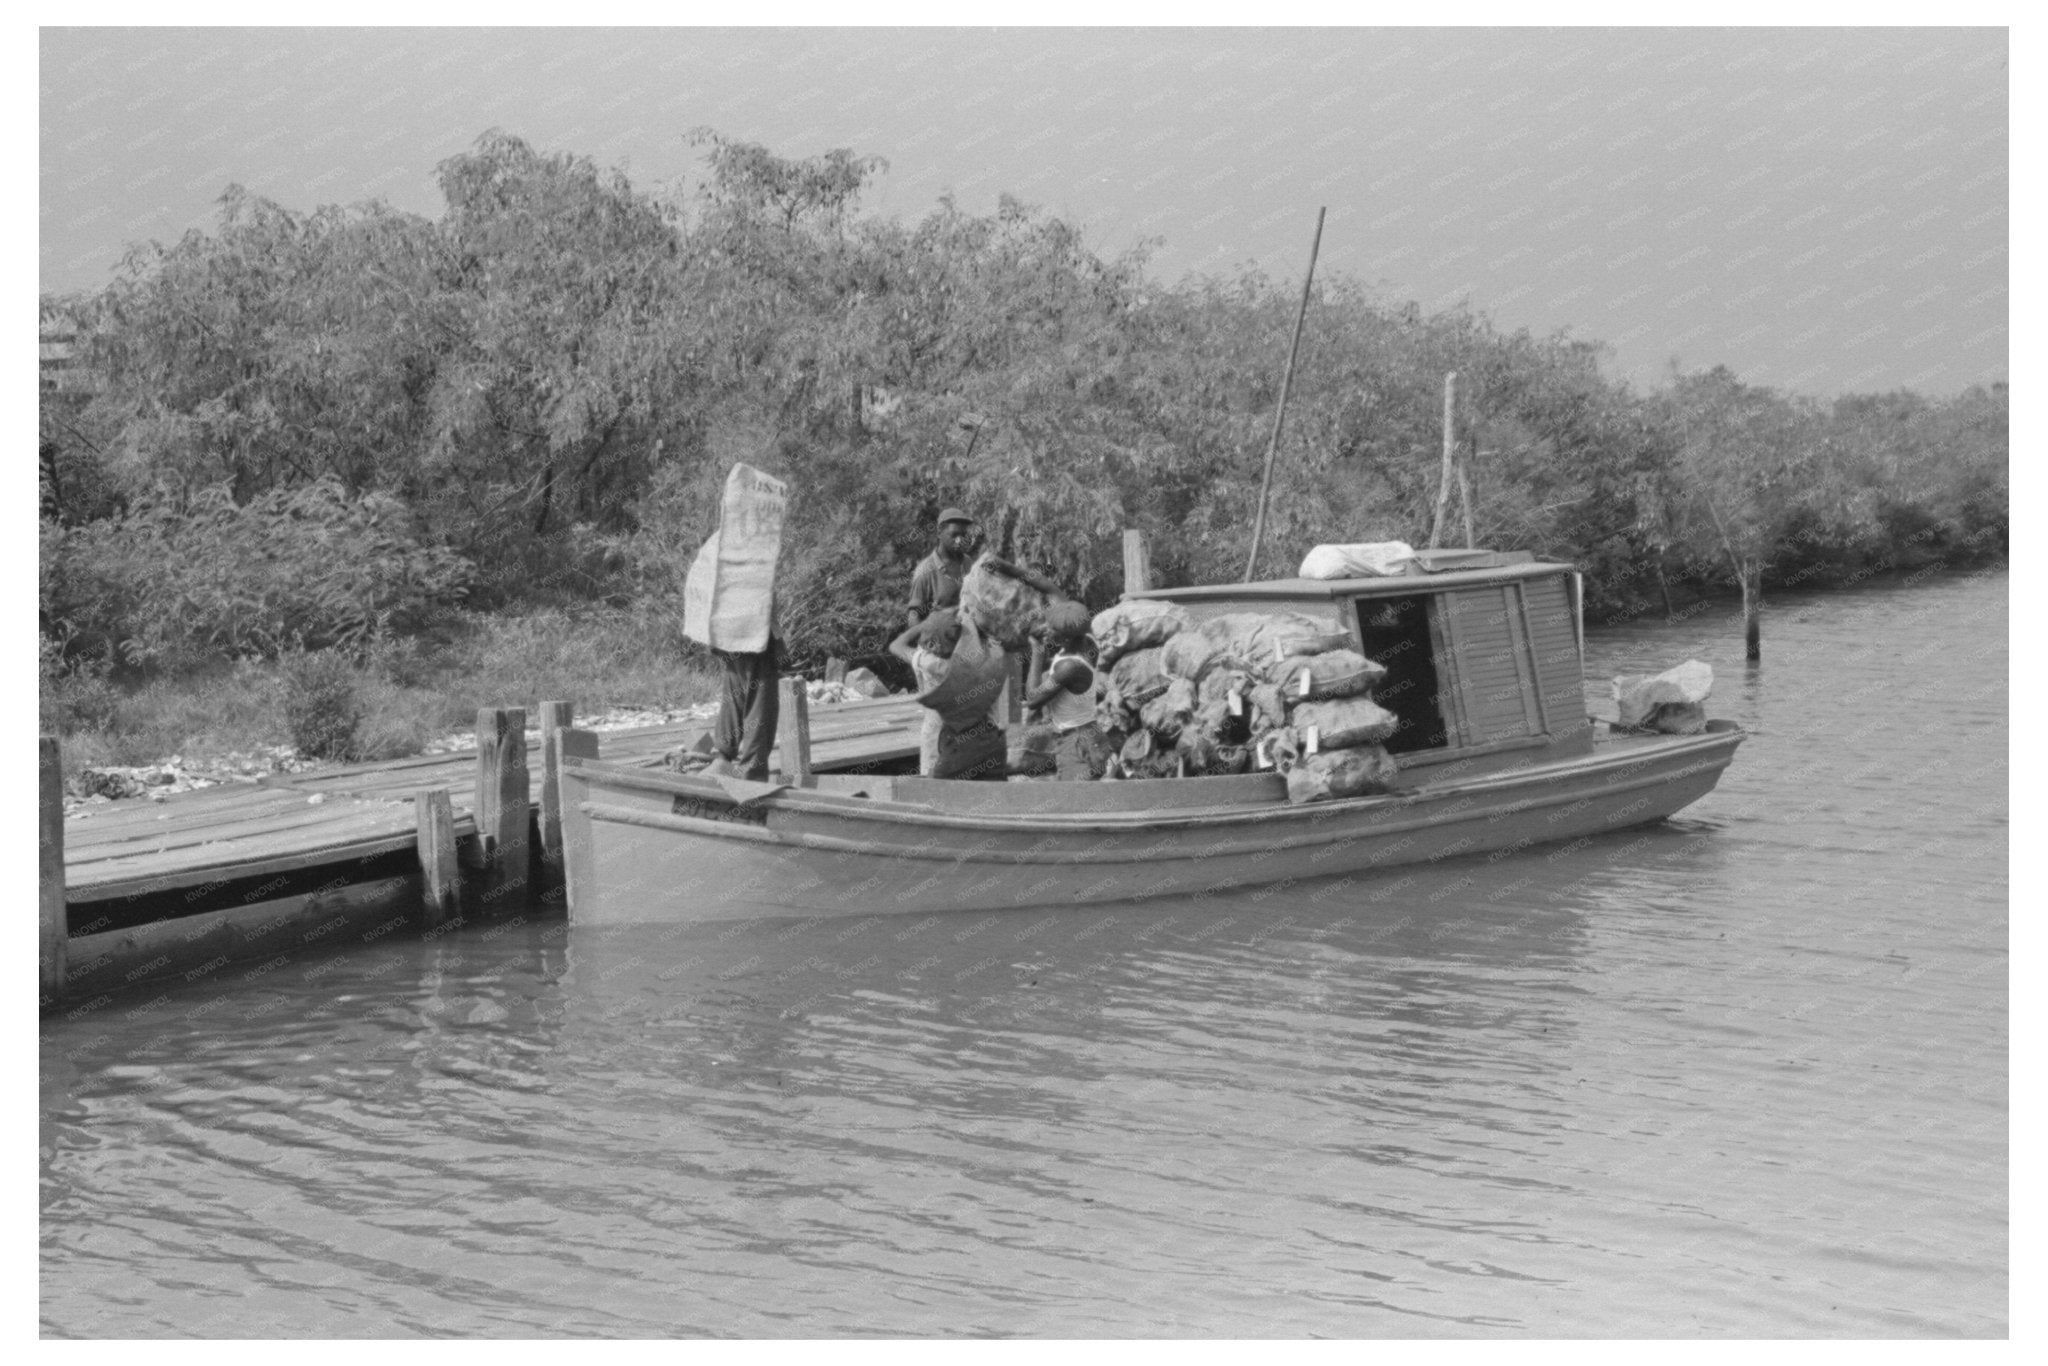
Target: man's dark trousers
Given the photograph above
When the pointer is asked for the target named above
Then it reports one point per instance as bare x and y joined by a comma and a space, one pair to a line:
748, 710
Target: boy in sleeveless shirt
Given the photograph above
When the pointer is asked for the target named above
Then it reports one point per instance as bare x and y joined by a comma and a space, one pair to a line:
1062, 691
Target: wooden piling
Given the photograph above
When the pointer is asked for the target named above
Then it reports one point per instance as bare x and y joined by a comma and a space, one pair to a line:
52, 932
1444, 480
502, 802
793, 731
1137, 561
441, 879
835, 670
554, 716
565, 744
1465, 502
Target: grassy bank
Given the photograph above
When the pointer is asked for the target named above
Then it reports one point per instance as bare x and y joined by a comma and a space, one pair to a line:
390, 701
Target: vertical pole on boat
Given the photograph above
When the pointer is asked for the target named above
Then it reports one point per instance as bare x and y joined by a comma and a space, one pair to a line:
554, 716
1137, 561
53, 933
1443, 485
793, 731
579, 886
441, 882
1251, 563
502, 799
1465, 504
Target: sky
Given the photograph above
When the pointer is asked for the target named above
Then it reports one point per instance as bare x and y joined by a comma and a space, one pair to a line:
1822, 210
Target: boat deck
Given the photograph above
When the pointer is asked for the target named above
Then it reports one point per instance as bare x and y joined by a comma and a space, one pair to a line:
287, 823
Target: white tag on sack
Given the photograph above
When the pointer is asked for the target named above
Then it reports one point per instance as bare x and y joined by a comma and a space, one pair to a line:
1314, 735
1236, 703
1303, 686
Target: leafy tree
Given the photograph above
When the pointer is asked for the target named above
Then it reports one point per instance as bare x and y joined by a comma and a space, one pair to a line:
1754, 459
561, 300
549, 381
283, 349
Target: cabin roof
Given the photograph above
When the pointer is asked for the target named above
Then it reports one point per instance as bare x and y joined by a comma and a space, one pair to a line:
1389, 586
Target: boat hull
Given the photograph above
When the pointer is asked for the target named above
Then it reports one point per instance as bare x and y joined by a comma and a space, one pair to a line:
651, 848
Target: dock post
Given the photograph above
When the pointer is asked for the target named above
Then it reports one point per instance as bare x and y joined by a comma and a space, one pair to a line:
434, 811
835, 670
577, 889
1137, 561
52, 930
554, 716
793, 731
502, 800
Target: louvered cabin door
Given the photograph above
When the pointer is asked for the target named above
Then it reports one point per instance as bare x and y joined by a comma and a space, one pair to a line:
1495, 689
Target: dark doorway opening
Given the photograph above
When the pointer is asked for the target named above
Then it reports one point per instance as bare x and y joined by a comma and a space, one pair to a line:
1395, 633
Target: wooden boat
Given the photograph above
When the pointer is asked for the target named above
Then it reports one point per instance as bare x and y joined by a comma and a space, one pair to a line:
1496, 753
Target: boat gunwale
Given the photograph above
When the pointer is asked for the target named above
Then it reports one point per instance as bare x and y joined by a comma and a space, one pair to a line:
1657, 752
1324, 830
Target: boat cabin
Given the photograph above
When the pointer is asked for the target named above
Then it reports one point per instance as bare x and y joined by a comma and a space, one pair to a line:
1483, 651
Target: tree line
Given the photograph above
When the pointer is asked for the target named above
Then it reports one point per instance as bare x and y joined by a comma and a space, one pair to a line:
324, 427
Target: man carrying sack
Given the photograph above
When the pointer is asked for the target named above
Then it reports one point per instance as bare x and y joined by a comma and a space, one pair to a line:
960, 675
729, 605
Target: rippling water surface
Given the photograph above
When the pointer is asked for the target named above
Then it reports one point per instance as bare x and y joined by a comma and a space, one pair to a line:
1743, 1073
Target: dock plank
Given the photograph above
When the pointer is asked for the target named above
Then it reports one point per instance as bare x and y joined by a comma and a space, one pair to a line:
155, 820
376, 829
260, 826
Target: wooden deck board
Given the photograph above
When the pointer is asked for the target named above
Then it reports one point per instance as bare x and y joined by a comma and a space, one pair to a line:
259, 826
123, 821
118, 820
269, 826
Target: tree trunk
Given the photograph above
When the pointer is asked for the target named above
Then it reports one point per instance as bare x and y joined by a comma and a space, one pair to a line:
53, 492
547, 498
1752, 611
1663, 587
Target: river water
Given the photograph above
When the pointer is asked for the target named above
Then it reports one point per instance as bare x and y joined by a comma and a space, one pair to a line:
1741, 1074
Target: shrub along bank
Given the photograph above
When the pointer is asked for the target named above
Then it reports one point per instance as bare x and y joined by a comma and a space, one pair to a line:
347, 428
382, 701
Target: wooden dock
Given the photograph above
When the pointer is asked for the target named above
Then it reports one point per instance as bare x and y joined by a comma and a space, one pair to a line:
200, 885
287, 823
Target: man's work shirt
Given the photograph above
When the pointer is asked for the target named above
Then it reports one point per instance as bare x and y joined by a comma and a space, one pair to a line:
935, 583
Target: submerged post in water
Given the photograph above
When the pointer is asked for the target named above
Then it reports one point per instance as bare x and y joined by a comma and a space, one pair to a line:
502, 799
441, 880
554, 716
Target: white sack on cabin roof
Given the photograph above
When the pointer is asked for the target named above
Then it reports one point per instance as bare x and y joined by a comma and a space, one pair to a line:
1365, 560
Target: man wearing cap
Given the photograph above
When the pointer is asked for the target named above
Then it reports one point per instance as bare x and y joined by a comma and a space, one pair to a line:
935, 584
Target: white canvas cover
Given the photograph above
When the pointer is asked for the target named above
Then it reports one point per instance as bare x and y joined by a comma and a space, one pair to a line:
728, 598
1365, 560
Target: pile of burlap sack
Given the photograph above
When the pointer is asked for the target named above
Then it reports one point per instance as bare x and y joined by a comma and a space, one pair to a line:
1240, 693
